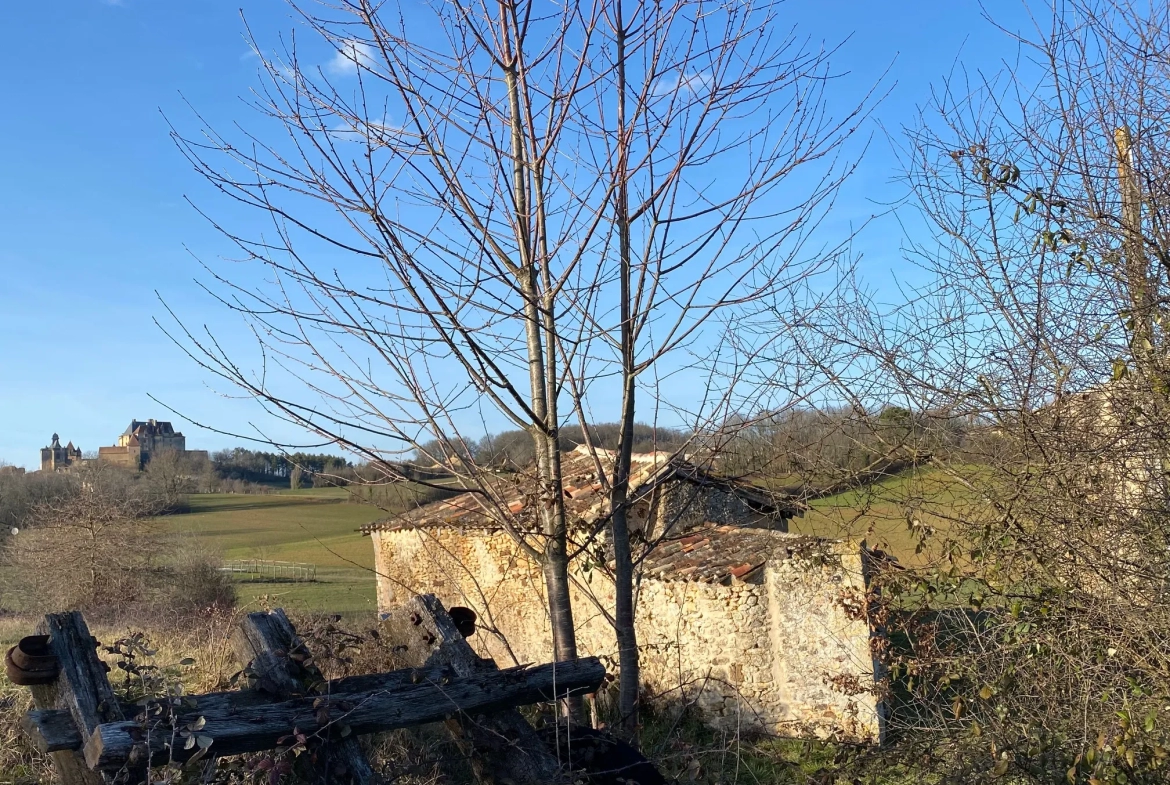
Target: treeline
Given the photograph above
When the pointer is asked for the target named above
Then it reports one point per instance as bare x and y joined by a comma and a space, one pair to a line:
514, 449
800, 447
805, 447
273, 467
824, 447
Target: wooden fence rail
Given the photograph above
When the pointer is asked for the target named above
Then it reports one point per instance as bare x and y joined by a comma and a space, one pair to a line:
94, 738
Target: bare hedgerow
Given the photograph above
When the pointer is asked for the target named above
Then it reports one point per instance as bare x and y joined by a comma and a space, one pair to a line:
1031, 645
100, 549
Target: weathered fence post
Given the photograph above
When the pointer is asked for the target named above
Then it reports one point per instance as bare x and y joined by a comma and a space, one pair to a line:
82, 688
267, 643
502, 746
77, 710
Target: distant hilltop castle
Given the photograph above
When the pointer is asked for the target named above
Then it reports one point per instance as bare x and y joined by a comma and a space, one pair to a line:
56, 457
135, 446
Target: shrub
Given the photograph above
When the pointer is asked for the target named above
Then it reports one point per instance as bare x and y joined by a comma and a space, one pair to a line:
99, 550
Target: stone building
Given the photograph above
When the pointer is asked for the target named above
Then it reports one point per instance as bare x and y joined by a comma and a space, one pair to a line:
141, 439
762, 630
56, 458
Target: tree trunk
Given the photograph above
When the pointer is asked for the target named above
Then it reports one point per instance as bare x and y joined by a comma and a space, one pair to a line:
627, 637
555, 564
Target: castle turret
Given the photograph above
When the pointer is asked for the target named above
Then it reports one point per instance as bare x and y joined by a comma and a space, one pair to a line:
55, 457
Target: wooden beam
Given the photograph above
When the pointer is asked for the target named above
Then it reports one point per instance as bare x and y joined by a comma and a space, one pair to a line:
51, 730
81, 689
399, 699
266, 642
502, 747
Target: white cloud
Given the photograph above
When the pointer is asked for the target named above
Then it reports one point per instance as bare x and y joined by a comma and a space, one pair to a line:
349, 56
693, 84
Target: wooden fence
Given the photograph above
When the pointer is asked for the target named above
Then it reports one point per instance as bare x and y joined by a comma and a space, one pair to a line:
95, 738
271, 571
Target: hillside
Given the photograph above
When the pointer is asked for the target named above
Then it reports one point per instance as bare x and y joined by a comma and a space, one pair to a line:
321, 527
315, 526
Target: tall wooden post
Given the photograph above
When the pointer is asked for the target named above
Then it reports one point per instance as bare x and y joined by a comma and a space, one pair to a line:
82, 688
1137, 268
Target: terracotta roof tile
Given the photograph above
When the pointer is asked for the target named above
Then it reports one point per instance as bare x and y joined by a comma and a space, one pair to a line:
584, 497
720, 553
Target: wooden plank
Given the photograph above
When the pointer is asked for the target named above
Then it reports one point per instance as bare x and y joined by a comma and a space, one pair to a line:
502, 747
51, 730
82, 689
401, 699
264, 641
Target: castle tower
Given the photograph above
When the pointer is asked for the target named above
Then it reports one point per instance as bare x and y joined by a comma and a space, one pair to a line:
55, 457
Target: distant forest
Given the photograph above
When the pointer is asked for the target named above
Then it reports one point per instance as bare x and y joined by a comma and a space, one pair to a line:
273, 467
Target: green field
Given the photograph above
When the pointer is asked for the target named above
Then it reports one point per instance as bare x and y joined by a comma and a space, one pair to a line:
314, 526
321, 527
882, 513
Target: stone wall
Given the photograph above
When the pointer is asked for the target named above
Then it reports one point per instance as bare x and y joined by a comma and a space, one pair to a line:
785, 652
127, 457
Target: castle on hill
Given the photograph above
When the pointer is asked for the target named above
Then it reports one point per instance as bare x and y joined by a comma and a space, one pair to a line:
55, 457
136, 445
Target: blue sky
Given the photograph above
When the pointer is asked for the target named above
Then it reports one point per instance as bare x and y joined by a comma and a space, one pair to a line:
94, 222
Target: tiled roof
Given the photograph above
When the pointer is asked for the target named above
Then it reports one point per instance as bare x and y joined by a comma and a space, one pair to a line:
716, 553
150, 428
585, 495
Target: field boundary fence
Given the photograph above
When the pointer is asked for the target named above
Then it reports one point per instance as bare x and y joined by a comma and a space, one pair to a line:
270, 570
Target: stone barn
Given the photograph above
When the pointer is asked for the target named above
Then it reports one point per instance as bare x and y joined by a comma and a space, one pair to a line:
761, 630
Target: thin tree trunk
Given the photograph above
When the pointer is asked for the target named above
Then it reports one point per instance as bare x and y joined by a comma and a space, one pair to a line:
555, 563
627, 638
1137, 268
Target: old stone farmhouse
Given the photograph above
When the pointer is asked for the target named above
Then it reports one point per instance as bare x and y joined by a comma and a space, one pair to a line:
760, 629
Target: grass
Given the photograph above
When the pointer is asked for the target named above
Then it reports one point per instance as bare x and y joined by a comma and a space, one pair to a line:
319, 526
890, 514
312, 525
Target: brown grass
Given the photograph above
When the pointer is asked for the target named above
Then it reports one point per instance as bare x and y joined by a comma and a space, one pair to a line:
203, 637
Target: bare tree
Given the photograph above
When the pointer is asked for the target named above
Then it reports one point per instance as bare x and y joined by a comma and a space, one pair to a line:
1037, 623
506, 213
91, 547
171, 475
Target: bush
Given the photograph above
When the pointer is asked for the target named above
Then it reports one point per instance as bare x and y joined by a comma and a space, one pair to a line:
192, 582
100, 550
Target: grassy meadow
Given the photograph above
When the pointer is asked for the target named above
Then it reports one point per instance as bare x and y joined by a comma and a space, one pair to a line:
314, 526
890, 514
321, 527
